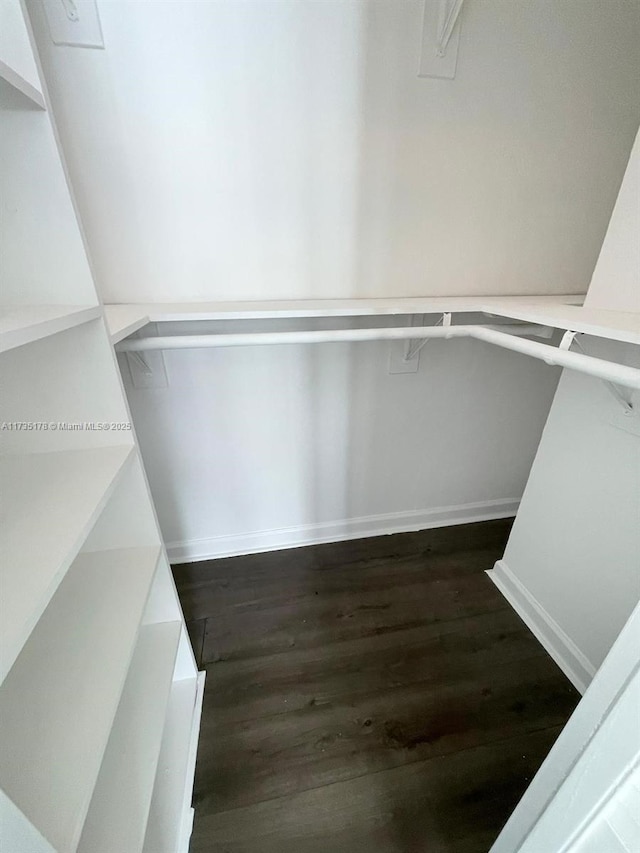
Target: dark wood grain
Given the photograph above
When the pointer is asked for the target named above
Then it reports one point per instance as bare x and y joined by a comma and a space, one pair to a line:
319, 618
440, 653
257, 590
449, 804
338, 555
321, 744
375, 695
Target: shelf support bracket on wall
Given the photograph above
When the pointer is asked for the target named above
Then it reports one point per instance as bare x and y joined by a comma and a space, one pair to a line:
147, 369
141, 363
569, 338
440, 38
412, 348
449, 12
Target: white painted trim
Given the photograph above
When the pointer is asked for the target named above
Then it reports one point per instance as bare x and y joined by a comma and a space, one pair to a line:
575, 665
189, 550
188, 814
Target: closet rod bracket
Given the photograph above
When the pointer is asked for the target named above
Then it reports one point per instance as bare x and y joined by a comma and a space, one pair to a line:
570, 338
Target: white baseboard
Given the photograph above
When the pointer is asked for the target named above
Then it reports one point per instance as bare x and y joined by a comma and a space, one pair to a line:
578, 669
191, 550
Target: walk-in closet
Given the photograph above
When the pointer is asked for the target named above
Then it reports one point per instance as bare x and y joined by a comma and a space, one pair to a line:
320, 425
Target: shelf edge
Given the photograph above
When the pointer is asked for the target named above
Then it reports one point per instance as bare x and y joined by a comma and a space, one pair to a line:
44, 328
22, 86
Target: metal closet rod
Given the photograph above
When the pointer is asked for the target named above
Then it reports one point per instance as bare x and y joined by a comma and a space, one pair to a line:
620, 374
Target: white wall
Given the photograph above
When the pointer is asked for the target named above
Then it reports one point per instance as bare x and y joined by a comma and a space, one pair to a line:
261, 447
573, 559
287, 148
615, 285
616, 829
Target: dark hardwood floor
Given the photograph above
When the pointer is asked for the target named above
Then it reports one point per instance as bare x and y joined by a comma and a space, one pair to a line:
377, 695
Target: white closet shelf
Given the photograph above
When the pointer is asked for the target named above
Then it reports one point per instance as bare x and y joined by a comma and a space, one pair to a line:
82, 567
168, 828
119, 810
22, 324
16, 91
55, 727
55, 499
613, 325
560, 312
124, 319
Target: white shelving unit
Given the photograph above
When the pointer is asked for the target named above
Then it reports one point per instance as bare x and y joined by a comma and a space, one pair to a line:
119, 808
19, 80
94, 653
560, 312
58, 721
24, 324
170, 818
124, 320
14, 87
68, 488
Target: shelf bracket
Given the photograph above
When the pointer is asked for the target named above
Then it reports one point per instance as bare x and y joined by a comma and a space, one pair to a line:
412, 348
148, 369
440, 38
569, 338
141, 363
449, 13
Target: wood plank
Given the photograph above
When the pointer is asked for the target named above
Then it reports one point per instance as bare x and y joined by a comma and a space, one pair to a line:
256, 760
436, 654
257, 590
340, 555
448, 804
211, 587
317, 619
348, 679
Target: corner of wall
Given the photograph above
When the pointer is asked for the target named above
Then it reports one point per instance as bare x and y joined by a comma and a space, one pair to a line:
578, 669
